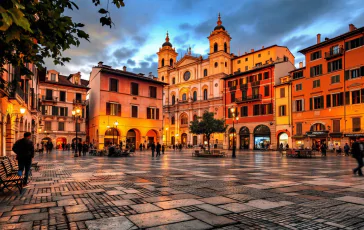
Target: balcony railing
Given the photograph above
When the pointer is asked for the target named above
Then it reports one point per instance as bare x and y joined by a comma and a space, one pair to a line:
334, 53
45, 98
79, 102
255, 83
232, 87
243, 86
17, 92
255, 97
4, 91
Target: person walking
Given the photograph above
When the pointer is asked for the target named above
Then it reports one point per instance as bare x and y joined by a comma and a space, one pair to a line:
73, 146
281, 146
158, 148
287, 146
358, 155
180, 147
141, 147
48, 147
346, 149
24, 150
163, 148
152, 146
79, 148
84, 148
323, 149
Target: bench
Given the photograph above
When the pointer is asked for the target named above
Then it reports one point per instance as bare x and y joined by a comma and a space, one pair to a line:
214, 153
9, 179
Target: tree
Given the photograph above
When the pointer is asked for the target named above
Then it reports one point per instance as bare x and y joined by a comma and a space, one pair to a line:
207, 125
32, 30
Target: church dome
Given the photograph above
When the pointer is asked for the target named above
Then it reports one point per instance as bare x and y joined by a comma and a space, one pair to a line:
219, 24
167, 43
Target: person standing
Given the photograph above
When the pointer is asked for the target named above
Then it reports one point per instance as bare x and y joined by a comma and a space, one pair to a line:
152, 146
48, 147
73, 146
346, 149
79, 148
24, 150
180, 147
158, 149
281, 146
358, 155
287, 146
163, 148
141, 147
84, 148
323, 149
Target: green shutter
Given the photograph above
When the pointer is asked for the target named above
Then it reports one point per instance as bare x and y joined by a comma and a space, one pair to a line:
66, 111
347, 98
320, 69
329, 67
322, 102
328, 101
347, 75
311, 72
362, 71
311, 107
362, 95
347, 46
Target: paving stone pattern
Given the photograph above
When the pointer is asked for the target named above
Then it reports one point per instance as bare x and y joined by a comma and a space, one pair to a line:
257, 190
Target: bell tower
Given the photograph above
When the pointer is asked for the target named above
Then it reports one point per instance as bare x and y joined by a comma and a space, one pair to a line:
220, 58
167, 57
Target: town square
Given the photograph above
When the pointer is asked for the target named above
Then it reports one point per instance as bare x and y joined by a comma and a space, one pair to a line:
118, 114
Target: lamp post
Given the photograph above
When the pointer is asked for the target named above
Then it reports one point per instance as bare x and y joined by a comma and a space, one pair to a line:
235, 116
167, 136
116, 125
76, 114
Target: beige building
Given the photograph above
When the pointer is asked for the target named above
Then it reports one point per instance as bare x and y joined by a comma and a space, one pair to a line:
195, 86
59, 95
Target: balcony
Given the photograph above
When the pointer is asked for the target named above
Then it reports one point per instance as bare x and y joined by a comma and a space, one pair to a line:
244, 86
183, 102
334, 53
250, 98
232, 88
4, 92
79, 102
17, 95
255, 83
49, 99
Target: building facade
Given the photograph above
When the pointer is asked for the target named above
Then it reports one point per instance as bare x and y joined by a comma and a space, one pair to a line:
19, 108
195, 85
328, 93
124, 107
59, 96
251, 91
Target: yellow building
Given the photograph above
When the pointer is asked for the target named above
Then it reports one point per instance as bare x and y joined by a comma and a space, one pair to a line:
283, 115
195, 86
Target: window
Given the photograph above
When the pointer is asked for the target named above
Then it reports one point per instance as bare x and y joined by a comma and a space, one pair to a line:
113, 109
337, 99
354, 73
244, 111
334, 65
262, 109
336, 126
282, 110
171, 62
60, 126
216, 64
134, 111
187, 75
216, 47
356, 124
298, 105
225, 64
316, 70
205, 72
246, 59
113, 85
173, 120
256, 110
355, 97
354, 43
134, 88
298, 74
153, 113
162, 62
259, 55
316, 55
78, 97
266, 90
316, 83
268, 52
63, 111
239, 61
244, 93
173, 99
335, 79
184, 97
78, 127
62, 96
299, 128
205, 94
46, 110
55, 110
184, 119
48, 125
194, 96
258, 64
232, 83
153, 91
283, 92
232, 96
299, 87
255, 91
162, 78
174, 80
49, 94
318, 102
246, 68
225, 47
195, 117
266, 75
53, 77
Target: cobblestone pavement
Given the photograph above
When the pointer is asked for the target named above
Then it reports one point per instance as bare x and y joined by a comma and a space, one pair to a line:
257, 190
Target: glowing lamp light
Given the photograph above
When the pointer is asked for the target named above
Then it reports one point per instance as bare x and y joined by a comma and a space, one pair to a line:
108, 126
78, 111
73, 112
116, 123
22, 110
232, 110
167, 129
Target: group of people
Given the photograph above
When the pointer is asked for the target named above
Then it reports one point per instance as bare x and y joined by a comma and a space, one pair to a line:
48, 146
157, 148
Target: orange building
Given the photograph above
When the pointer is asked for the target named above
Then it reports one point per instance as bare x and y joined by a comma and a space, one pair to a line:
124, 107
250, 90
328, 93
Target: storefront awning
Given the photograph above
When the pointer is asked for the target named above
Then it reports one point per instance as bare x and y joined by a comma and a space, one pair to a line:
299, 136
319, 134
336, 134
354, 135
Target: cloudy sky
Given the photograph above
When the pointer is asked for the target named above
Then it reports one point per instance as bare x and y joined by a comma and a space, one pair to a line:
140, 28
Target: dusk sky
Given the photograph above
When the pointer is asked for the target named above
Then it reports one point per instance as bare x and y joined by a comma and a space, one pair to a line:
140, 29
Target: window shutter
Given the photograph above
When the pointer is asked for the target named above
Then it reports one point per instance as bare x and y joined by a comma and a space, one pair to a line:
43, 109
229, 83
347, 75
319, 54
294, 106
54, 110
260, 77
66, 111
320, 69
148, 113
322, 102
362, 71
329, 67
311, 107
157, 114
311, 72
303, 104
311, 56
347, 98
119, 110
347, 47
108, 108
236, 82
328, 101
83, 113
240, 81
362, 95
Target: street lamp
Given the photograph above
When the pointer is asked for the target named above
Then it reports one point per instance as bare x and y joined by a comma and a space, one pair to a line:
76, 115
167, 136
235, 116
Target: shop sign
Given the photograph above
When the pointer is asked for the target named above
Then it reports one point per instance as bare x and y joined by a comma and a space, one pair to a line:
354, 135
317, 134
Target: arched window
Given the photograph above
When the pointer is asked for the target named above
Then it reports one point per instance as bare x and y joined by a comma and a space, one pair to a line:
194, 95
216, 64
173, 99
195, 117
205, 72
173, 120
162, 62
215, 47
205, 94
318, 127
225, 47
162, 78
174, 80
225, 64
171, 62
184, 97
184, 119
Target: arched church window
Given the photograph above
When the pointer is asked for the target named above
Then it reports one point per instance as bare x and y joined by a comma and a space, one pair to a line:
162, 62
225, 47
171, 62
216, 47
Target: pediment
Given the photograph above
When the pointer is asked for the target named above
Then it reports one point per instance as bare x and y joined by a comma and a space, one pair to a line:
186, 60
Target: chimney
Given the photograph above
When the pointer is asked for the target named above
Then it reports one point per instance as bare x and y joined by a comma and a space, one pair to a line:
351, 27
262, 47
326, 39
100, 64
124, 68
318, 38
252, 50
301, 64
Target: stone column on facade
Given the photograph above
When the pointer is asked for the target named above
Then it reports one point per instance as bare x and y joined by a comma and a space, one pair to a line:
251, 140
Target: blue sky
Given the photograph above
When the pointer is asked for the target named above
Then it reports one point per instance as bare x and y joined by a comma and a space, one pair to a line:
140, 28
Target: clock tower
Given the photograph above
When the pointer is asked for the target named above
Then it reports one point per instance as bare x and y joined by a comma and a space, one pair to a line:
167, 57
